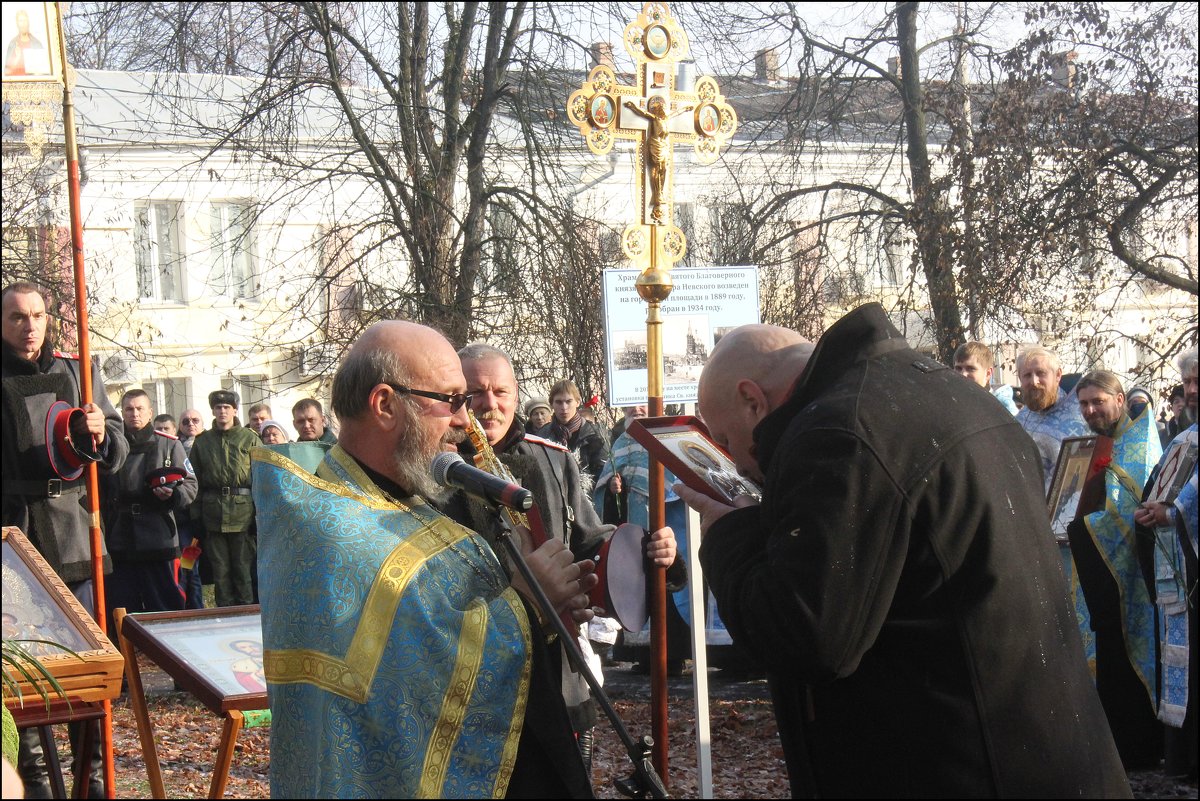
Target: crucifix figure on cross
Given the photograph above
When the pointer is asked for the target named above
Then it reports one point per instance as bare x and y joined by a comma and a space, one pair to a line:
654, 115
658, 145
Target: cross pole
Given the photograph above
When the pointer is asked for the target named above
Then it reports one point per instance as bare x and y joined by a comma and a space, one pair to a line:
655, 115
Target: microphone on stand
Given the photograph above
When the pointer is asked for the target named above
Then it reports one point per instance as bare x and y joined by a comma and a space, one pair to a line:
449, 470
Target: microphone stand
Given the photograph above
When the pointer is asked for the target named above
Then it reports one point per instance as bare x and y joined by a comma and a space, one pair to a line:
644, 782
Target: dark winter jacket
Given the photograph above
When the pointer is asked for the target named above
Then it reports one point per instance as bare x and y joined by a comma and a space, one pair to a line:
588, 444
52, 513
547, 469
901, 565
138, 526
550, 472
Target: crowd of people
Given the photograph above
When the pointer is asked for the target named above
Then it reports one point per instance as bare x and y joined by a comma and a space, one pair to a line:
896, 579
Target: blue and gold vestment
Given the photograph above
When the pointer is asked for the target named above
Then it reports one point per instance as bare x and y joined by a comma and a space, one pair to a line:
396, 654
1136, 450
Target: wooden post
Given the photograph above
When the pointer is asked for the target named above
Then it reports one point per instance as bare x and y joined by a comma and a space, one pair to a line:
85, 381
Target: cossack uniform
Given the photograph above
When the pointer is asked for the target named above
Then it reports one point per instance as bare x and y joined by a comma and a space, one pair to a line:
140, 527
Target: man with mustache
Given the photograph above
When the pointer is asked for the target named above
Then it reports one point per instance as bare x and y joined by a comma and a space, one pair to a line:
1120, 612
1049, 416
402, 662
548, 470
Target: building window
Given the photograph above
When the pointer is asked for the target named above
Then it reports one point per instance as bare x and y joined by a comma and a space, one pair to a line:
730, 237
896, 253
251, 389
685, 221
22, 255
232, 241
157, 254
506, 250
168, 395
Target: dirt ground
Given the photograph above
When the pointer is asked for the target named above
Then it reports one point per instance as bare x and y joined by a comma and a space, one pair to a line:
747, 761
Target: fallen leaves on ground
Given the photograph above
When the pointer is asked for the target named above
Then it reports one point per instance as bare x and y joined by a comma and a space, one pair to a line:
747, 760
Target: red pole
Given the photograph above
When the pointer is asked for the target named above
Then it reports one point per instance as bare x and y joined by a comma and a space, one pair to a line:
85, 383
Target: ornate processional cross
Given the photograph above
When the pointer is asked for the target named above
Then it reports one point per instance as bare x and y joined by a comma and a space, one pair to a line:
656, 115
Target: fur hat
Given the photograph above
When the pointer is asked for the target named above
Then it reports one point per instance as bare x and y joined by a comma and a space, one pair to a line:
536, 403
224, 396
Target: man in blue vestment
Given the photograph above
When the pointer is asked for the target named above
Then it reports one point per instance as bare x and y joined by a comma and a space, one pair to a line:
1171, 513
401, 660
1120, 613
1050, 415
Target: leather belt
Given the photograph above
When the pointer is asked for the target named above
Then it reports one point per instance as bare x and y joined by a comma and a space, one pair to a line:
226, 491
45, 488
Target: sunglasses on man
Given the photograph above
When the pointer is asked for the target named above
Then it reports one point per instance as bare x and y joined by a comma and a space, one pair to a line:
456, 400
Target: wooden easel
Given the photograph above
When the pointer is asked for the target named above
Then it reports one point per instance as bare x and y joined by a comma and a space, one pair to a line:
41, 715
234, 720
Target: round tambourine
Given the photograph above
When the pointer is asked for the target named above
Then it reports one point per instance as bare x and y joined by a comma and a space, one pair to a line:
621, 568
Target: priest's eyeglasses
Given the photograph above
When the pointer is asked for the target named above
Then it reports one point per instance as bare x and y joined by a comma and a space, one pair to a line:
456, 401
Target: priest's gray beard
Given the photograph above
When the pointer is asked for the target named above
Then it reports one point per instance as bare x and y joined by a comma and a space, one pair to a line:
415, 452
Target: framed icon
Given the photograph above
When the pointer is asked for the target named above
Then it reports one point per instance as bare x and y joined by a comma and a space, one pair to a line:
708, 119
215, 654
657, 41
683, 446
38, 606
601, 111
1067, 498
1177, 465
29, 33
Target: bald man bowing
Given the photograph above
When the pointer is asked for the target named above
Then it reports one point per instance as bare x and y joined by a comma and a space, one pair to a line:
899, 580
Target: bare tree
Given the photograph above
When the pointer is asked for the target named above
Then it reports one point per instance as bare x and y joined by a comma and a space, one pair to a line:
1022, 194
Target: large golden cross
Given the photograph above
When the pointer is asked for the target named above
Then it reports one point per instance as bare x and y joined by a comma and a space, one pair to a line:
656, 115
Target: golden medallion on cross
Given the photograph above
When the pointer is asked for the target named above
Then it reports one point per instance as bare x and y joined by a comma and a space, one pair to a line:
656, 115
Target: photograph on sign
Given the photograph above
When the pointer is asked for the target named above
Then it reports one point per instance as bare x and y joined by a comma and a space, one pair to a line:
704, 305
685, 348
630, 349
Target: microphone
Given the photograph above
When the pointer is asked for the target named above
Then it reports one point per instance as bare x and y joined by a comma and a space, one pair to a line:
449, 470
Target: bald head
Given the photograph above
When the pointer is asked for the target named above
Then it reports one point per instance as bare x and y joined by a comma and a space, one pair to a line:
384, 425
749, 374
768, 355
392, 350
